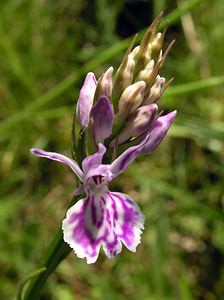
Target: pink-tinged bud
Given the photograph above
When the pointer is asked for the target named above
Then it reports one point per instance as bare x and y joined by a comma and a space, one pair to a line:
123, 78
138, 123
104, 85
158, 131
85, 101
131, 98
155, 91
103, 118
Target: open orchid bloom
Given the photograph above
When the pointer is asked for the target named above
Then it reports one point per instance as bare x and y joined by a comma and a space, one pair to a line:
114, 111
103, 217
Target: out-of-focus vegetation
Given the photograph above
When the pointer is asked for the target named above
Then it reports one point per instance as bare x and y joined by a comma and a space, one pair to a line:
46, 48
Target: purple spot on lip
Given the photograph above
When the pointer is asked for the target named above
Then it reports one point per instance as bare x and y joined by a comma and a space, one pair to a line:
93, 211
103, 200
73, 218
95, 179
114, 209
108, 217
75, 215
129, 201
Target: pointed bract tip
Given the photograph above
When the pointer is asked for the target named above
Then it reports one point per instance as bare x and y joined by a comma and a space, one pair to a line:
157, 20
110, 69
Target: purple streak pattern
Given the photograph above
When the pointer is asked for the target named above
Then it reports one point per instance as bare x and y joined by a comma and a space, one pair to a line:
103, 116
158, 132
60, 158
105, 219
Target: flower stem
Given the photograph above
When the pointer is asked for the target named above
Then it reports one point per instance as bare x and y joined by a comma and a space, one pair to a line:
56, 253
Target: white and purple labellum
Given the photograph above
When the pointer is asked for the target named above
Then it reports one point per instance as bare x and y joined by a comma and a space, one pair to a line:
103, 219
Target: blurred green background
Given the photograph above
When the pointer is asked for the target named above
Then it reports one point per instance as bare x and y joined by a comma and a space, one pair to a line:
46, 48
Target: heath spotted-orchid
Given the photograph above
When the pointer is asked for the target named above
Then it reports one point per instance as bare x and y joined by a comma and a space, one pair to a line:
117, 120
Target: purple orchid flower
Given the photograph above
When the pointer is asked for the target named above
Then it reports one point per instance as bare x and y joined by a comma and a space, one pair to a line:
106, 218
117, 111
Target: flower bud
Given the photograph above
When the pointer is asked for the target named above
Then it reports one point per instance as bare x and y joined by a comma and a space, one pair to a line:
103, 118
158, 132
138, 123
104, 85
155, 91
157, 43
131, 98
85, 101
145, 52
146, 72
123, 78
148, 55
158, 65
134, 52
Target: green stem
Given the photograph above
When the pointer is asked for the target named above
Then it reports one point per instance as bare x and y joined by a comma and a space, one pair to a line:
58, 249
31, 276
56, 253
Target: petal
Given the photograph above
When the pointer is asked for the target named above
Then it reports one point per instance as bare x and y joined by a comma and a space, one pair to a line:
103, 116
128, 220
85, 101
102, 170
127, 157
80, 232
94, 159
62, 159
105, 219
105, 85
158, 132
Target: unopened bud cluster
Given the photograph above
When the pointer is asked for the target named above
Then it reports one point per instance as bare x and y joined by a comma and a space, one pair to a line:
120, 107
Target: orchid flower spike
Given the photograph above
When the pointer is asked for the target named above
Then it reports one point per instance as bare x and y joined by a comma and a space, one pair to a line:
111, 113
